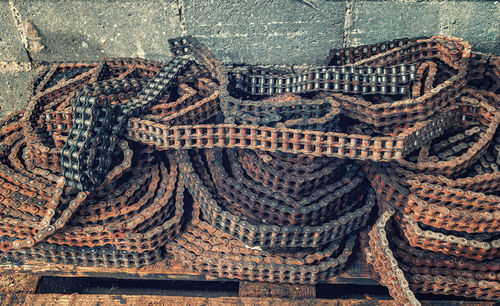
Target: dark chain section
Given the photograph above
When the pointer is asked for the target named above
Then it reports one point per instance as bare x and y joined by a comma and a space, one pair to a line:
211, 251
284, 111
347, 79
271, 188
262, 234
87, 154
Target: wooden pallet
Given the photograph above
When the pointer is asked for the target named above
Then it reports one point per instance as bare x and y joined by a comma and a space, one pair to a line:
18, 285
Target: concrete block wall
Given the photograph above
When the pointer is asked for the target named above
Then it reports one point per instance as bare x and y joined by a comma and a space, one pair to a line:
247, 31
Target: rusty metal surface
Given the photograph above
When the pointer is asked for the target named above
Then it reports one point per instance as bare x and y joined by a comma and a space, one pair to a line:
257, 289
274, 172
438, 232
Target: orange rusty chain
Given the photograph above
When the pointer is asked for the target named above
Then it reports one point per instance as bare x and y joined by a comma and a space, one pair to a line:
270, 200
148, 191
388, 269
443, 205
125, 223
439, 229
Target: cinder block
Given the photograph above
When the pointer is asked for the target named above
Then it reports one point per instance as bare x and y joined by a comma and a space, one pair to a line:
88, 30
267, 31
478, 22
14, 91
11, 47
376, 21
475, 21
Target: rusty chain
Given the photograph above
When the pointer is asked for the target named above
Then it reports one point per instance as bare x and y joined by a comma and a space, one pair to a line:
439, 230
211, 251
265, 191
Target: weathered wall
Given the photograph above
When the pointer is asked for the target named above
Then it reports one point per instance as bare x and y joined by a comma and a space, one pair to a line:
247, 31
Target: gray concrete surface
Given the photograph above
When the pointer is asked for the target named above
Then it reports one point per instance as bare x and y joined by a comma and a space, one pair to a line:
247, 31
14, 91
85, 30
375, 21
478, 22
11, 48
267, 31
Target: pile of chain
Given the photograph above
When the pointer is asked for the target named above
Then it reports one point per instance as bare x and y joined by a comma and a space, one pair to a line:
241, 229
126, 219
272, 216
439, 226
259, 173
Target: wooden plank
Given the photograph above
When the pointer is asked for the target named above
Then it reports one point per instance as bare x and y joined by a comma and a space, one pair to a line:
355, 274
169, 269
260, 289
166, 270
97, 299
18, 283
100, 299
